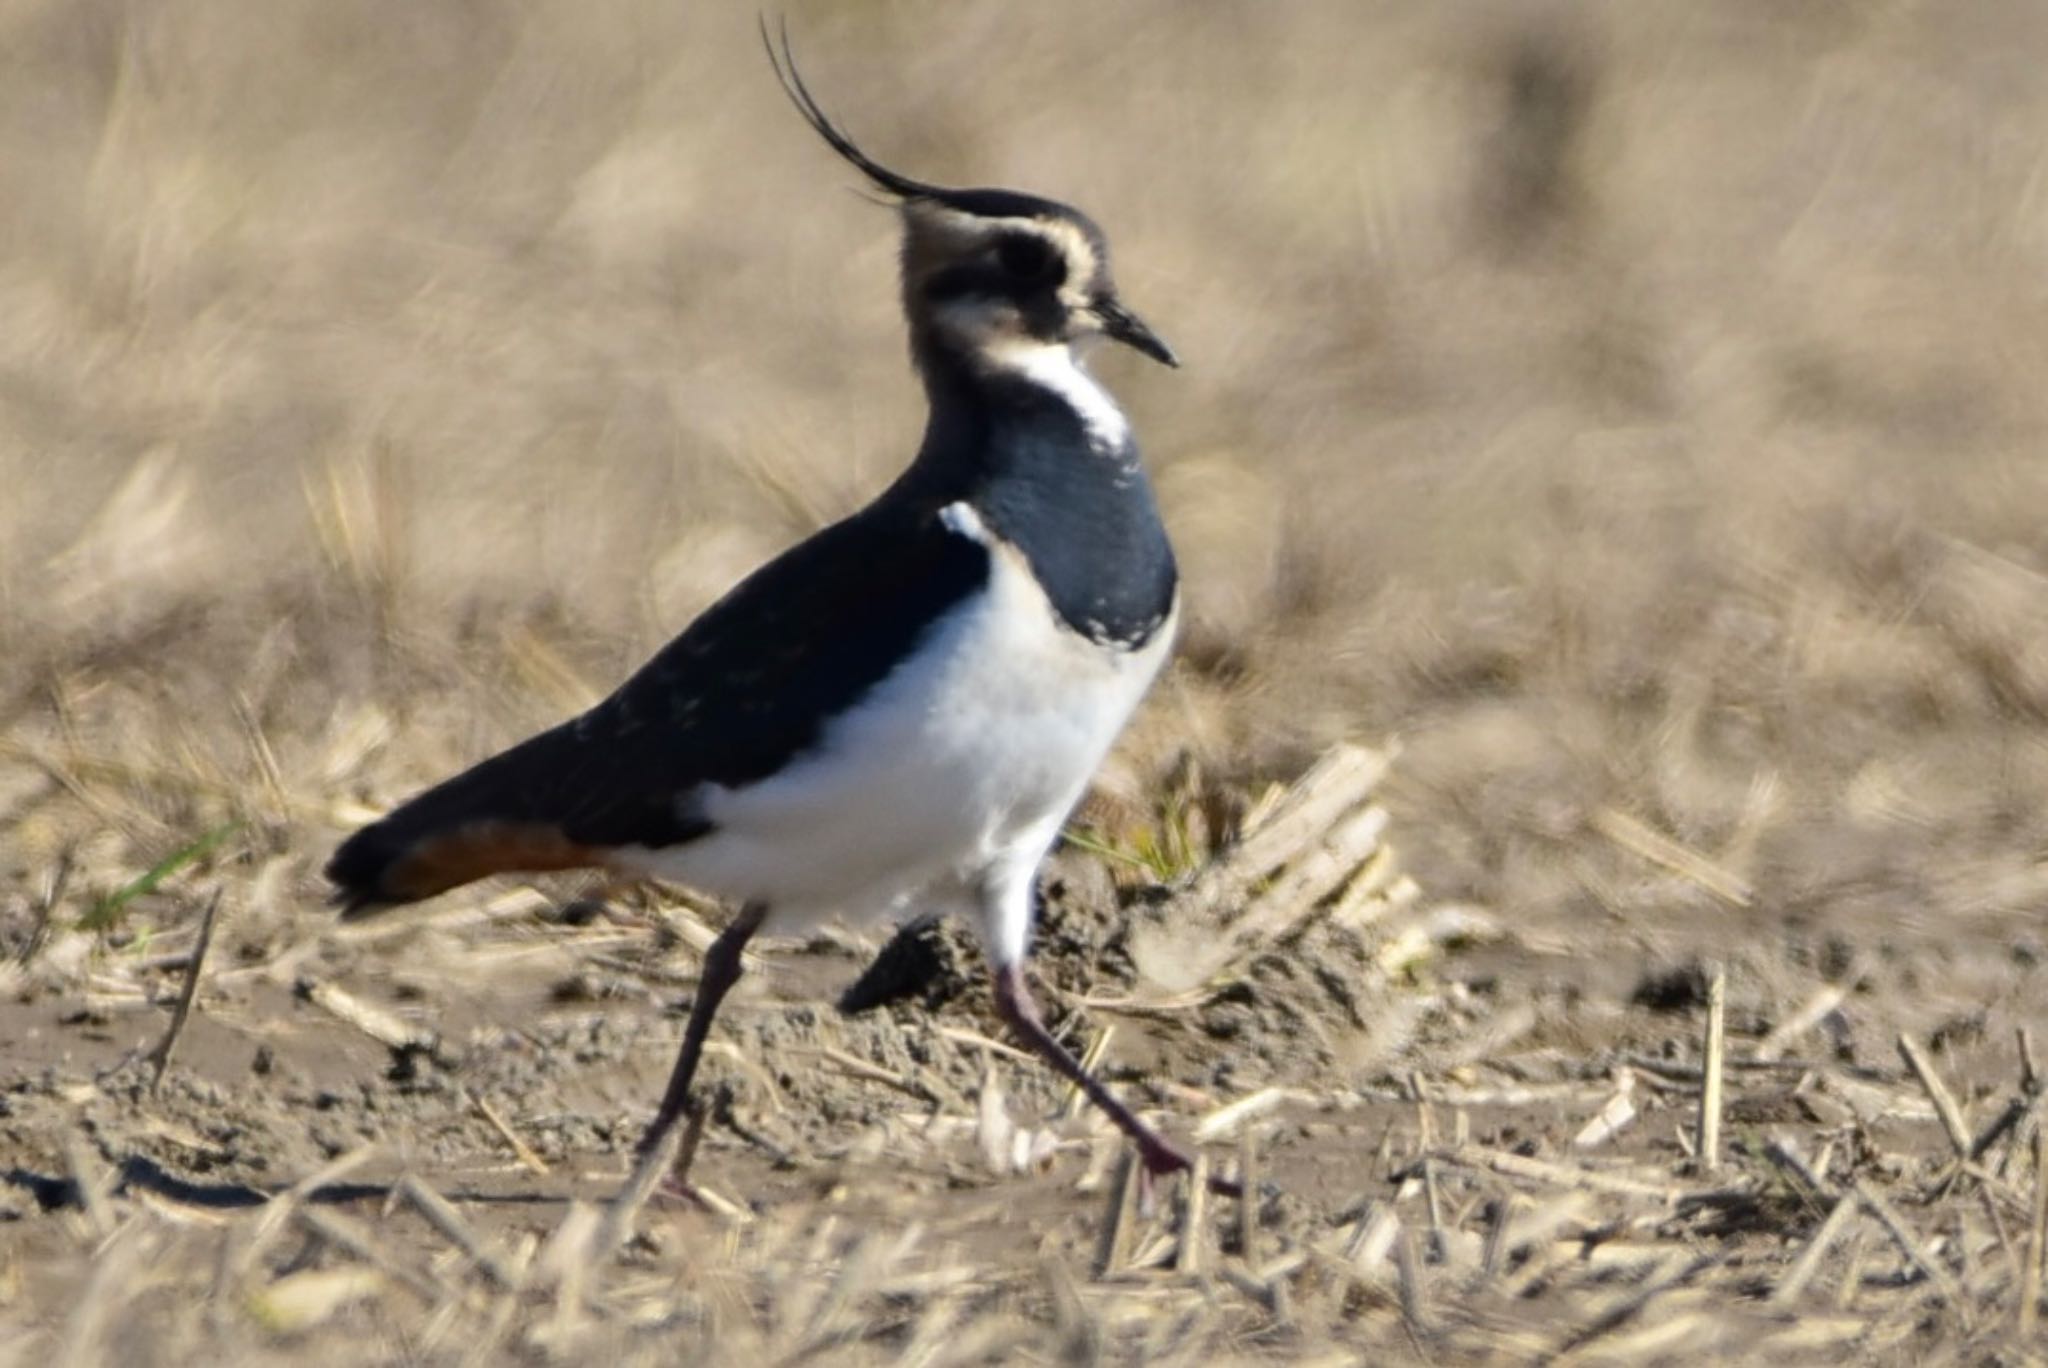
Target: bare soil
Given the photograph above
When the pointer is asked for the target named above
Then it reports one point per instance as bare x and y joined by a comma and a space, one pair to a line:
1411, 1094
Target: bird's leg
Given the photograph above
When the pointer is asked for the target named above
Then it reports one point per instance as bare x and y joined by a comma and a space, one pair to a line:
721, 971
1159, 1155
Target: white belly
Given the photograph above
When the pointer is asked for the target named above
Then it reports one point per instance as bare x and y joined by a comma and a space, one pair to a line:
978, 745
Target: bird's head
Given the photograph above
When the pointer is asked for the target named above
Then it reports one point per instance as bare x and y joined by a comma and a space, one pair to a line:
989, 272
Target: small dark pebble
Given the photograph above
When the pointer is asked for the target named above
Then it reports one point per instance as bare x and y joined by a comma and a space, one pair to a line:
1680, 989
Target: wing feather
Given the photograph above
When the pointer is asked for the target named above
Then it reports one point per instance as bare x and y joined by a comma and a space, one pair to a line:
751, 684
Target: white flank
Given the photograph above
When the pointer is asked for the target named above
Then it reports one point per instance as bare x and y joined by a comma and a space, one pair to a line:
942, 789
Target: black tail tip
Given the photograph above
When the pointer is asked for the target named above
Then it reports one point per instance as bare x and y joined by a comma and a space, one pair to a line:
356, 872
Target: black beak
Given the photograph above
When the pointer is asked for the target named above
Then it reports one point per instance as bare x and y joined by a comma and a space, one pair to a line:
1129, 329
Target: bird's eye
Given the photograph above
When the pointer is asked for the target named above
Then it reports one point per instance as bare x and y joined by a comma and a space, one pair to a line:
1028, 258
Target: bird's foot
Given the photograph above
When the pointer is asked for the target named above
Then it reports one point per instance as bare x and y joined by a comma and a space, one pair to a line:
1162, 1159
661, 1162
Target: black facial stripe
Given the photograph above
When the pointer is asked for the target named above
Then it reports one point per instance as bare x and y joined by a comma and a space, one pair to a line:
972, 278
1045, 317
1031, 259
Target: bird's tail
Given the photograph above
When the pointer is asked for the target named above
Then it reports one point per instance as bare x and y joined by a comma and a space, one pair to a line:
493, 819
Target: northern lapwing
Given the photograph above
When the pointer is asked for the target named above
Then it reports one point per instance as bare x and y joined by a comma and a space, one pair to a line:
897, 715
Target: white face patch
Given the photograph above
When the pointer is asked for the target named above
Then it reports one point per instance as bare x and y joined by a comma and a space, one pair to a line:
940, 238
1053, 366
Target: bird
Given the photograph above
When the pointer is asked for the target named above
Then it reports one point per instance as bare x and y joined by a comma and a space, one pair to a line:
898, 714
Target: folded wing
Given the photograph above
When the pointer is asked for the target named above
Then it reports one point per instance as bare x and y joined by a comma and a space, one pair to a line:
747, 687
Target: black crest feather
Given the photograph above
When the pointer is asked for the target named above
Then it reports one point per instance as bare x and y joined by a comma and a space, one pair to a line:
783, 58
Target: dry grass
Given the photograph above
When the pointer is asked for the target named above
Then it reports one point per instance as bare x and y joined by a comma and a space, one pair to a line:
1635, 408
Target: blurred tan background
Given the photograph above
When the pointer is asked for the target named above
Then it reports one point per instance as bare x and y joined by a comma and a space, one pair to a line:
1635, 407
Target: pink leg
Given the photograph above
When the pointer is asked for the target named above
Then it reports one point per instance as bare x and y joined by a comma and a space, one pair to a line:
721, 972
1159, 1155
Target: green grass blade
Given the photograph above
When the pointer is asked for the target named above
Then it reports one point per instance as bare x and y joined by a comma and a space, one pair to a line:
1080, 838
107, 912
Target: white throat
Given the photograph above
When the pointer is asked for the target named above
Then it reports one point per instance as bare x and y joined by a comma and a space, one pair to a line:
1053, 366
